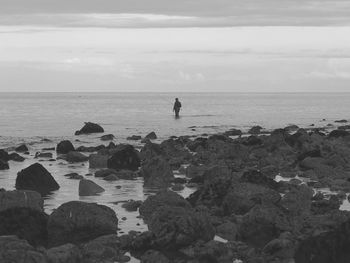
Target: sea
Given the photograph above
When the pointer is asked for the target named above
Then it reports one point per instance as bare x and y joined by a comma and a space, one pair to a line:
41, 120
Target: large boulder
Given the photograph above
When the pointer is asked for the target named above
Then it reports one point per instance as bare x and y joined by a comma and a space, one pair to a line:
90, 127
150, 150
98, 161
4, 165
15, 250
36, 178
124, 157
76, 157
160, 200
67, 253
4, 155
298, 200
88, 188
31, 199
76, 222
151, 136
154, 256
156, 172
22, 148
176, 227
64, 147
26, 223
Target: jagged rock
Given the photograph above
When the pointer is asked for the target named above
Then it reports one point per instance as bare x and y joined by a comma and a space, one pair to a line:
160, 200
15, 250
4, 156
22, 148
156, 172
132, 205
4, 165
124, 157
64, 147
36, 178
16, 157
176, 227
153, 256
76, 222
106, 248
76, 157
26, 223
88, 188
150, 150
255, 130
67, 253
31, 199
151, 136
89, 128
98, 161
107, 137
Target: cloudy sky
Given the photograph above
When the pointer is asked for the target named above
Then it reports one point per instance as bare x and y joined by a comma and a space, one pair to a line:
184, 45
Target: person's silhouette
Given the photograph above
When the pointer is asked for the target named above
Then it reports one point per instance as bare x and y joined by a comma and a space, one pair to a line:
177, 107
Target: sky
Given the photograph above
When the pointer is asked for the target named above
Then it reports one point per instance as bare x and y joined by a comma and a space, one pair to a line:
183, 45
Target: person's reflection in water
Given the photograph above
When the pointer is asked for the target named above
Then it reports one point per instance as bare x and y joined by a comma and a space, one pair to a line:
177, 107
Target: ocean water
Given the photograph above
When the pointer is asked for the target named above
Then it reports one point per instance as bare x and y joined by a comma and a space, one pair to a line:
31, 117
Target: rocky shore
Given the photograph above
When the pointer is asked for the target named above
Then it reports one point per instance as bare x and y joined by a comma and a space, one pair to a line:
260, 197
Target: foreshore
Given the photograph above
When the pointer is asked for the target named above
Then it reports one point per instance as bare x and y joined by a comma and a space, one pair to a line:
257, 196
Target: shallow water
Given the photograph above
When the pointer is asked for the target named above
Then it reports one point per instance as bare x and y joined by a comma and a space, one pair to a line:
28, 118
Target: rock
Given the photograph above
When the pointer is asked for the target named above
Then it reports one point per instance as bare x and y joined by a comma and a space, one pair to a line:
282, 248
160, 200
26, 223
89, 128
291, 128
262, 224
16, 157
326, 247
323, 206
4, 156
67, 253
228, 231
179, 180
156, 172
76, 222
150, 150
36, 178
151, 136
30, 199
22, 148
104, 172
256, 177
298, 200
153, 256
255, 130
88, 188
4, 165
107, 137
43, 155
233, 132
126, 175
76, 157
74, 176
134, 138
132, 205
98, 161
106, 248
124, 157
312, 163
64, 147
15, 250
313, 153
111, 177
252, 141
338, 134
177, 187
341, 121
176, 227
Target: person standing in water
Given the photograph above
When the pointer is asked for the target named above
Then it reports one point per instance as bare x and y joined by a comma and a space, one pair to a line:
177, 107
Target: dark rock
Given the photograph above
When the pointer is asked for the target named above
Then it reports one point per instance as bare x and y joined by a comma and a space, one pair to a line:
323, 206
341, 121
344, 127
88, 188
124, 157
36, 178
282, 248
179, 180
252, 141
291, 128
151, 136
233, 132
177, 187
111, 177
43, 155
312, 153
134, 138
4, 165
160, 200
30, 199
156, 172
132, 205
64, 147
228, 231
153, 256
256, 177
26, 223
4, 156
126, 174
338, 134
98, 161
22, 148
76, 222
107, 137
298, 200
255, 130
176, 227
67, 253
89, 128
150, 150
15, 250
16, 157
76, 157
104, 172
74, 176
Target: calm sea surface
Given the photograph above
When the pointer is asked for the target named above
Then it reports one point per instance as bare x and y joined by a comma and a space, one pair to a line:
30, 117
